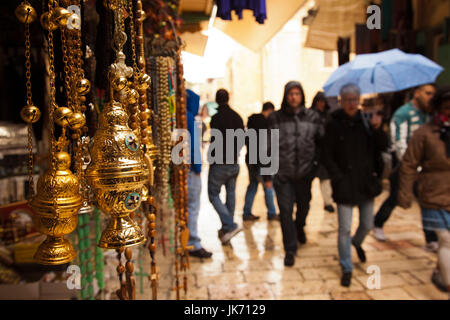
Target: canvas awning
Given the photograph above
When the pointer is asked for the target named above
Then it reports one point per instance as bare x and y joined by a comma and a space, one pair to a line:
195, 42
198, 6
195, 15
335, 18
253, 35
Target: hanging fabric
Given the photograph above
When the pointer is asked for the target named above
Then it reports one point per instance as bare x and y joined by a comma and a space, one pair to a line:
225, 7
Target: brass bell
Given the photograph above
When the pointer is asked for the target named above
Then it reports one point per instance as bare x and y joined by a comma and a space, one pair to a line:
56, 206
83, 86
144, 82
46, 23
60, 16
76, 121
61, 116
30, 114
25, 13
133, 97
120, 83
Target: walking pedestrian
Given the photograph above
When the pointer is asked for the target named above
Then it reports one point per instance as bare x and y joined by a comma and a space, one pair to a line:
320, 105
405, 121
429, 149
352, 156
258, 122
223, 172
194, 176
299, 131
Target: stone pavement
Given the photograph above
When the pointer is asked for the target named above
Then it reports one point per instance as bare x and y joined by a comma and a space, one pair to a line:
252, 267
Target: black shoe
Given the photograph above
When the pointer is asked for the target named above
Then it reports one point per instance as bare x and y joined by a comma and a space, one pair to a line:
329, 208
274, 218
200, 253
361, 253
438, 282
346, 279
250, 217
289, 259
301, 235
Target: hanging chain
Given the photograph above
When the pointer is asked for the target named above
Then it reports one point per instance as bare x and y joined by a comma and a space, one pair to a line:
53, 143
67, 74
29, 103
133, 40
28, 63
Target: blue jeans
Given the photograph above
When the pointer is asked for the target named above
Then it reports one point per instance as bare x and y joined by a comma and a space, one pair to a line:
345, 214
255, 178
194, 190
223, 175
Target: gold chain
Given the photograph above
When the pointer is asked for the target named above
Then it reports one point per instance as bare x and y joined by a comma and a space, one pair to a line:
52, 107
29, 103
28, 63
67, 74
80, 75
133, 39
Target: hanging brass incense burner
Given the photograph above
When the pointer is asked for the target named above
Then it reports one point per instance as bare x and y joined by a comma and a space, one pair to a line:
57, 216
117, 173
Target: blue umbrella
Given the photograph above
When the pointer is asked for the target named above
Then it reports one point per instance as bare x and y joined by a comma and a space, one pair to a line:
387, 71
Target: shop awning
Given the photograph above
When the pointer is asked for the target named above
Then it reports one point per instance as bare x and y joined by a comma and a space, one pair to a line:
253, 35
195, 42
197, 6
195, 15
335, 18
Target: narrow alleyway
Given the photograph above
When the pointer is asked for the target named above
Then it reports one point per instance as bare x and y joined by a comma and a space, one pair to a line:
252, 268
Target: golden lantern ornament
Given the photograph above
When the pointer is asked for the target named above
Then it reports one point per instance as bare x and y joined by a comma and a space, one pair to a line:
25, 13
117, 174
56, 205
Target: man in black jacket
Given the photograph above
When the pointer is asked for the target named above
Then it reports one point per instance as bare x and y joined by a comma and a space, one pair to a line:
224, 167
258, 122
299, 131
352, 155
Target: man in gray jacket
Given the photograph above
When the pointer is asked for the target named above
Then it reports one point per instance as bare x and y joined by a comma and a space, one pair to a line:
299, 132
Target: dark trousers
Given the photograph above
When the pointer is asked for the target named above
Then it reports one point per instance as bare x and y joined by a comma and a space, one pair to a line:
288, 193
390, 203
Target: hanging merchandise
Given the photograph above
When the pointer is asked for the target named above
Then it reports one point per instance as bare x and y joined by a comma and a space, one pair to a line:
164, 130
150, 153
117, 173
179, 187
26, 14
58, 199
225, 7
169, 115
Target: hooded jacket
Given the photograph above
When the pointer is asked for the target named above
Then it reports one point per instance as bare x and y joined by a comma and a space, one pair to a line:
299, 133
192, 106
352, 157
